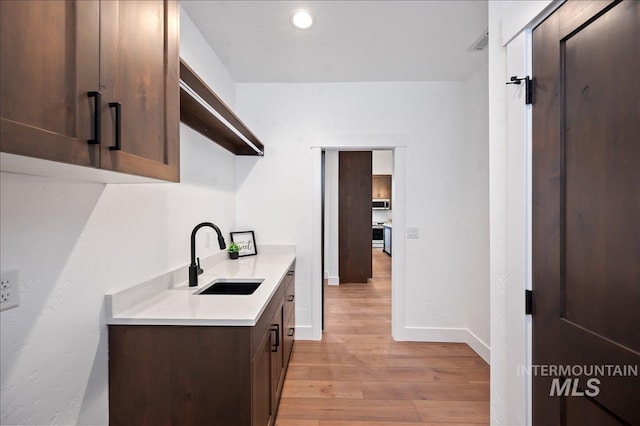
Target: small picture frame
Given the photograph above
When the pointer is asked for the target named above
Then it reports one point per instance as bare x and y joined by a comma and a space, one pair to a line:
247, 242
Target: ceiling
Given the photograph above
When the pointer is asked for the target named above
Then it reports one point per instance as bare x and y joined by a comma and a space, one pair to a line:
349, 41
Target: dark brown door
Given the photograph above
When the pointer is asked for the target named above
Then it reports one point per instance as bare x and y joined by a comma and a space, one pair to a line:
48, 63
139, 70
354, 216
586, 215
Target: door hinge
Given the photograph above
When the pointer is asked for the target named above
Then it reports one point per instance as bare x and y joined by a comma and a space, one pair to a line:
528, 302
528, 87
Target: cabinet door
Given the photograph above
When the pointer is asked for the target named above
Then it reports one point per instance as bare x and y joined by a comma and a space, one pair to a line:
139, 72
277, 358
48, 64
261, 389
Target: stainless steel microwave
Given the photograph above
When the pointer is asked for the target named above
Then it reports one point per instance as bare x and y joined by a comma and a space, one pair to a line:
380, 204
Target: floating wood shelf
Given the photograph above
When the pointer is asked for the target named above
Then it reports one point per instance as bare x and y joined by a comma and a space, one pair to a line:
203, 111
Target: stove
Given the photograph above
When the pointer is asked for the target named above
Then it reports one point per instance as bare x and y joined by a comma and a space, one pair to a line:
377, 240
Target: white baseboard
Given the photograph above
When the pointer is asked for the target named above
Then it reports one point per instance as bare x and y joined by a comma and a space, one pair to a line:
435, 334
479, 347
334, 281
450, 335
304, 332
425, 334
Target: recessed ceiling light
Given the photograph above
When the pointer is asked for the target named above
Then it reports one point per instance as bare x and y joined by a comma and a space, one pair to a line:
302, 19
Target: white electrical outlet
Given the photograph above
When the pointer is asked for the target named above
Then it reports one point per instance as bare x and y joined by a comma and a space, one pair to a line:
9, 291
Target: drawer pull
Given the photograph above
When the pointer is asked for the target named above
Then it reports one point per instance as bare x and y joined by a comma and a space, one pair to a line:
291, 331
97, 99
291, 273
276, 328
118, 136
290, 298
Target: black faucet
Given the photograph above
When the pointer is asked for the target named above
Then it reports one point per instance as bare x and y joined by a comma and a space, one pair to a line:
194, 268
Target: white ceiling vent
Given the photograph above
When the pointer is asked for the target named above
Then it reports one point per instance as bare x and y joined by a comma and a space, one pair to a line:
481, 43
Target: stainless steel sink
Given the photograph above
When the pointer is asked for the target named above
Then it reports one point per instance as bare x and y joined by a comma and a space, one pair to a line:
231, 286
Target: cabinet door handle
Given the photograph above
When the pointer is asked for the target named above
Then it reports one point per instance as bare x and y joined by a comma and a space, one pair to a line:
276, 328
290, 298
118, 138
291, 331
97, 102
290, 273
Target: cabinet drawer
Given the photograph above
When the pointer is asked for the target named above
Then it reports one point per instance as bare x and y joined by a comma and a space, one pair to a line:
289, 313
289, 337
289, 298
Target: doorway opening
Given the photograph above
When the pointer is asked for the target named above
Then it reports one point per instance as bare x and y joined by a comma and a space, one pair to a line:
392, 141
357, 217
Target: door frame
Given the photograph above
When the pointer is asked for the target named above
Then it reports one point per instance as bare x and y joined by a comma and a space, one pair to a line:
510, 188
396, 143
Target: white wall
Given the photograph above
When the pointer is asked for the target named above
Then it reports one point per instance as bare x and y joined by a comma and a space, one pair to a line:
197, 53
381, 215
289, 117
475, 221
498, 220
382, 162
75, 241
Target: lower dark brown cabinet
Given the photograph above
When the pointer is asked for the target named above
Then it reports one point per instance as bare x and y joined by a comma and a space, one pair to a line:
197, 375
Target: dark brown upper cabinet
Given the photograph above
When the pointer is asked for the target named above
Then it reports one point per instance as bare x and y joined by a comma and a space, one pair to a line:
139, 71
381, 187
49, 61
203, 111
95, 83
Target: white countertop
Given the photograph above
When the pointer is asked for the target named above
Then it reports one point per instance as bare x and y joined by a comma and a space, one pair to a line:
178, 305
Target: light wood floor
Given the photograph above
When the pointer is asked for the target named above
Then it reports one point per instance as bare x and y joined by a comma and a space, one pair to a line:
358, 375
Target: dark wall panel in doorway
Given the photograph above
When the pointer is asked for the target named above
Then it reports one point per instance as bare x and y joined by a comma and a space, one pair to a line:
354, 216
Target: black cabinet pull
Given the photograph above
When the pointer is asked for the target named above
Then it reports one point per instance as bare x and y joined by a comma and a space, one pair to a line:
97, 101
291, 331
290, 298
276, 328
118, 108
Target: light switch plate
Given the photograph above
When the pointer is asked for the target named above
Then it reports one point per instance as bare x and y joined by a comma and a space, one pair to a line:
9, 291
413, 232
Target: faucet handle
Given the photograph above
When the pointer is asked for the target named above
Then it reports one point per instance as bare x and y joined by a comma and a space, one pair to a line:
200, 270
